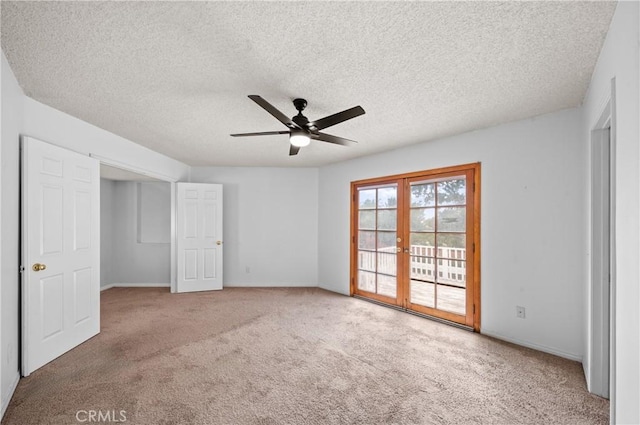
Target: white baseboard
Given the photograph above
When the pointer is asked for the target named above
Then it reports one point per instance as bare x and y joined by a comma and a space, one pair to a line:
545, 349
7, 397
135, 285
270, 285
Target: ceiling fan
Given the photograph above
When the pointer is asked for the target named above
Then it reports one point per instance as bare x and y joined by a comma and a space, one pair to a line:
301, 130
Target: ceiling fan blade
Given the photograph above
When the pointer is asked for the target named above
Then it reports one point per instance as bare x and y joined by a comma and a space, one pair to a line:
324, 137
264, 133
334, 119
273, 111
293, 150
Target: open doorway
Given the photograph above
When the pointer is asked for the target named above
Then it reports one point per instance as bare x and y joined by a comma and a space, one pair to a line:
60, 243
600, 356
135, 228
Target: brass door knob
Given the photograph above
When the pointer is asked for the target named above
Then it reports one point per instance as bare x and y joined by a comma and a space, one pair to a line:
218, 242
38, 267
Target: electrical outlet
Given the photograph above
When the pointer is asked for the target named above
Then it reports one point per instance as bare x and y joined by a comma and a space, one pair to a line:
520, 312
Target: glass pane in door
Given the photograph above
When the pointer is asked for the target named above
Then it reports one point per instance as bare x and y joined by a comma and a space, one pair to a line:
437, 225
377, 240
422, 268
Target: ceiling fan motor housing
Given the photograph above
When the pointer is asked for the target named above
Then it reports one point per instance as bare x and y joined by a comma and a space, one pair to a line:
301, 120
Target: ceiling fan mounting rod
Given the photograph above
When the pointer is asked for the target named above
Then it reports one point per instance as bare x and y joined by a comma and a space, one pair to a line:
300, 119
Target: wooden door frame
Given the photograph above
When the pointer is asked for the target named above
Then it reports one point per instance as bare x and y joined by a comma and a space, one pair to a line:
373, 183
475, 237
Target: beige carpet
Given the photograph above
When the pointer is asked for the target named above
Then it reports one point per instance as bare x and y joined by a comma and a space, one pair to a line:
296, 356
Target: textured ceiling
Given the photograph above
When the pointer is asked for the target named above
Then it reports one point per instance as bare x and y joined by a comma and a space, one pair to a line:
174, 76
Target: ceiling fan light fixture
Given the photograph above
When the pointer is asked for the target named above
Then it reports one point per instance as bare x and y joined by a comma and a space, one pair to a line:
299, 139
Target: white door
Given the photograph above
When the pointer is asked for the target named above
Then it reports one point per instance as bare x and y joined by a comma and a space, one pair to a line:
199, 237
60, 251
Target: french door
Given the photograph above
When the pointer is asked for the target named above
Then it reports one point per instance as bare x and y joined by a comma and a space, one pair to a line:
415, 242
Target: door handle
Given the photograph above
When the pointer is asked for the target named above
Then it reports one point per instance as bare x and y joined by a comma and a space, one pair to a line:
39, 267
218, 242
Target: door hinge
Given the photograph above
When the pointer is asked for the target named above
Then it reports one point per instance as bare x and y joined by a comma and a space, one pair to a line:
474, 247
21, 268
353, 239
474, 309
474, 186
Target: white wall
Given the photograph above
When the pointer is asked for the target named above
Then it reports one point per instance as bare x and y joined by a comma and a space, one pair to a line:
134, 262
270, 224
58, 128
107, 188
154, 212
619, 59
533, 218
1, 258
9, 273
124, 258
